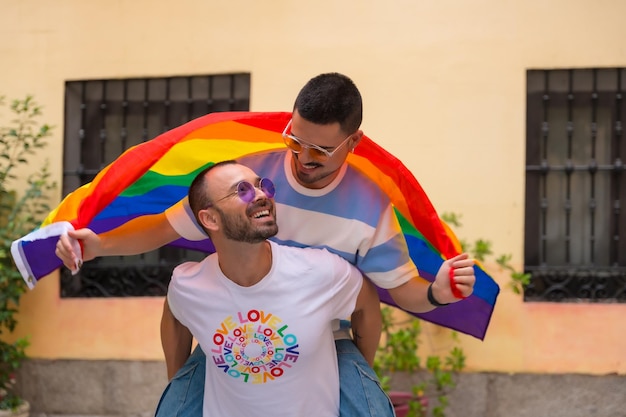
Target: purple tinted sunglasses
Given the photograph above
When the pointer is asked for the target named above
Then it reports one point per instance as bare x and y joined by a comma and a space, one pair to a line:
246, 191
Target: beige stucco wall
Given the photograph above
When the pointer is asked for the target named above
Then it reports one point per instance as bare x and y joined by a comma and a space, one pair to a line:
443, 85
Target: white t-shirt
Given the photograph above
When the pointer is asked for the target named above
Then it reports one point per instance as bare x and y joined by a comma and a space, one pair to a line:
269, 347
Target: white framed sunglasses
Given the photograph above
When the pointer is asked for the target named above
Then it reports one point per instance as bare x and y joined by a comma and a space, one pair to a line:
297, 145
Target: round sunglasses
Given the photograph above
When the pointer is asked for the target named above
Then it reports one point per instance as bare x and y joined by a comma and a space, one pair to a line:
246, 191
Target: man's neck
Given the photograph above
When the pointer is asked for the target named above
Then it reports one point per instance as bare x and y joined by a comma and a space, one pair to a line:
245, 263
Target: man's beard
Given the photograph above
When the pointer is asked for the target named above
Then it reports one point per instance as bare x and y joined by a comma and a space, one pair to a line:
239, 229
309, 179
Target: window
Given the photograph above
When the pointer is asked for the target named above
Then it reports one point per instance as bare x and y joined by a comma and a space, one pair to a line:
575, 216
103, 118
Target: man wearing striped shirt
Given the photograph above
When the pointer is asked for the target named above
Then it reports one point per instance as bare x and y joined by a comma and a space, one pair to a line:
323, 203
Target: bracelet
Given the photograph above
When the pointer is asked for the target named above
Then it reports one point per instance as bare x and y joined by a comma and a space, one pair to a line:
431, 297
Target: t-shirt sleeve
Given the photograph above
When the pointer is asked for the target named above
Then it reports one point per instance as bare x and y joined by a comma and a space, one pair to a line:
173, 299
176, 293
347, 284
386, 259
183, 221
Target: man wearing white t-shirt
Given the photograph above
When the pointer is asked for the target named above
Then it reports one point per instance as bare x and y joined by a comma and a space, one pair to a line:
262, 312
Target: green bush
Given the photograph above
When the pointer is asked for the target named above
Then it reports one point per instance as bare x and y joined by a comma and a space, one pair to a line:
431, 379
20, 212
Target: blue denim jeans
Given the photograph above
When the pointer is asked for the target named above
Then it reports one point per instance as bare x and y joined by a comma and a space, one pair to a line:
184, 394
360, 391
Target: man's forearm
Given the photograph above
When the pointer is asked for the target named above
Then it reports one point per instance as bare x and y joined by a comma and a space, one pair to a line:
140, 235
367, 322
176, 341
365, 335
411, 296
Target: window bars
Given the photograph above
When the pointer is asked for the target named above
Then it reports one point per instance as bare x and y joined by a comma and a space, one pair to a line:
103, 118
575, 215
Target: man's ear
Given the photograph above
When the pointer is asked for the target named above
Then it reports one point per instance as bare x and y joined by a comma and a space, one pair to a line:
208, 219
356, 138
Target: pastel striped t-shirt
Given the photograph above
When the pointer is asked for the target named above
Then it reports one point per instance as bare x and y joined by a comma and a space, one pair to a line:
351, 217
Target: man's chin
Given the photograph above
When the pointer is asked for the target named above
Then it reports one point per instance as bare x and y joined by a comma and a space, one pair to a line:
309, 177
269, 231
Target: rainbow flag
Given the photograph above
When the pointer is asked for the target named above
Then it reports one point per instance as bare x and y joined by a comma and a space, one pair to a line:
152, 176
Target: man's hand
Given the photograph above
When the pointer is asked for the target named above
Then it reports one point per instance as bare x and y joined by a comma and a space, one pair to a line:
65, 248
462, 276
412, 295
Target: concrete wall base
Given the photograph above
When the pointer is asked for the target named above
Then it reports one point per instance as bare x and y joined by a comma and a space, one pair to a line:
68, 388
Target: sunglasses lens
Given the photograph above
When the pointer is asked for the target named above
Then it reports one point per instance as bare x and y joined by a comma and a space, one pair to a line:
245, 191
296, 146
267, 186
293, 144
318, 154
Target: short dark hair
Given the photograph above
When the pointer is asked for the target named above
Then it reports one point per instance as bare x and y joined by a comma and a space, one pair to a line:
330, 98
199, 198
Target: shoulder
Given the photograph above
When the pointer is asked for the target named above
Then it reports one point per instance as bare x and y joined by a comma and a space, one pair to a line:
357, 197
191, 269
262, 159
362, 185
186, 268
309, 257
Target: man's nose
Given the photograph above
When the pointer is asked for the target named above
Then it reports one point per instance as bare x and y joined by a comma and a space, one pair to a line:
259, 193
305, 155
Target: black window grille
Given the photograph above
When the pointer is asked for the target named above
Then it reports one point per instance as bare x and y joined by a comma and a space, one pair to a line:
575, 216
103, 118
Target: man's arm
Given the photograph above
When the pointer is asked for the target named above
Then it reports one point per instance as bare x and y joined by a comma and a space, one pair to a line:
176, 341
367, 321
412, 295
139, 235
